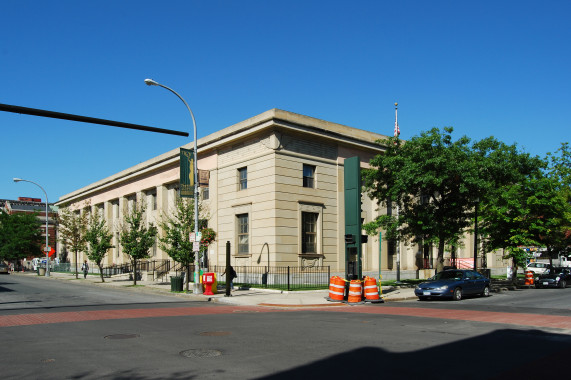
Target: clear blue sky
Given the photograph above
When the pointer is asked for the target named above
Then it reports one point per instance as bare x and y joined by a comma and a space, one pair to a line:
487, 68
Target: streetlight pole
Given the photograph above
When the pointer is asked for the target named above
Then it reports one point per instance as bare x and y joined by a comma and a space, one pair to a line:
197, 289
47, 243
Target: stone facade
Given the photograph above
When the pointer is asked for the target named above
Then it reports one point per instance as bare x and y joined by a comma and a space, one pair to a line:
258, 198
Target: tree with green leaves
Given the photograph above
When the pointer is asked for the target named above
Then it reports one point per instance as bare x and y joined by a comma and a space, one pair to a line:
507, 172
527, 210
433, 180
137, 236
72, 225
557, 235
98, 239
176, 228
507, 223
437, 182
20, 236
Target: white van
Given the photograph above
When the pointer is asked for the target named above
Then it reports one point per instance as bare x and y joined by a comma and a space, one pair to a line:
537, 268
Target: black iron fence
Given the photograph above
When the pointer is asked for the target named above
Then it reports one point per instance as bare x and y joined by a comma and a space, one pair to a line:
284, 278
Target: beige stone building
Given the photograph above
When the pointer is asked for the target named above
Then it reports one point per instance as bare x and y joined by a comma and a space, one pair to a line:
275, 192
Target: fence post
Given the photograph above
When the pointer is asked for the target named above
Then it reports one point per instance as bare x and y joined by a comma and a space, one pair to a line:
288, 278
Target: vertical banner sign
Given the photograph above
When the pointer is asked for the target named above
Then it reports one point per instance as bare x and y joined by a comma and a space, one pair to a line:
352, 190
187, 173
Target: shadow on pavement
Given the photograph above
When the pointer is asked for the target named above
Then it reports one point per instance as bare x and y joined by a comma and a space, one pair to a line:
503, 354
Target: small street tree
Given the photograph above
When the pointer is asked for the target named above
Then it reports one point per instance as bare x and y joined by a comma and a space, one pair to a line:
20, 236
136, 237
176, 228
72, 228
98, 239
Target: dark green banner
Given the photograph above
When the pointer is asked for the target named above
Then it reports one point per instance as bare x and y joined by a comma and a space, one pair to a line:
187, 173
353, 238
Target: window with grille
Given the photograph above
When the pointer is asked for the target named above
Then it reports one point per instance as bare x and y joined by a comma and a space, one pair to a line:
309, 176
242, 178
243, 234
309, 232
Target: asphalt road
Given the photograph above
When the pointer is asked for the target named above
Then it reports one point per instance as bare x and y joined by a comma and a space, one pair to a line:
536, 301
95, 332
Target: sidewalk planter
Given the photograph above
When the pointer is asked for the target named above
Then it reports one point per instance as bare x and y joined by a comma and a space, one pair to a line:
41, 271
176, 283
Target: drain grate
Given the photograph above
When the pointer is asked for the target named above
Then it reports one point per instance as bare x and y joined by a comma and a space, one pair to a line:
122, 336
200, 353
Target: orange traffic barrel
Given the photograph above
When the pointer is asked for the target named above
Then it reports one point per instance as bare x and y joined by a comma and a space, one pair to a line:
336, 288
355, 289
370, 288
529, 278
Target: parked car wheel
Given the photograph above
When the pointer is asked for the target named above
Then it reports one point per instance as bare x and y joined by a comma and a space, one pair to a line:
486, 291
537, 286
457, 295
563, 284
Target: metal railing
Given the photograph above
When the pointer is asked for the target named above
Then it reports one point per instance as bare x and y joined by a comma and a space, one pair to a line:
285, 278
159, 268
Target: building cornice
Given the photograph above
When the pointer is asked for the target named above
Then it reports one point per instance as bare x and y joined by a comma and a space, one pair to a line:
274, 118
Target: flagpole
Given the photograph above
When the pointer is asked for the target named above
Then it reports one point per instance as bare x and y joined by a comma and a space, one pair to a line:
397, 130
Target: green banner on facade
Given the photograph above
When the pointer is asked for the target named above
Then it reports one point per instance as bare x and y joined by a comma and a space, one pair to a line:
187, 173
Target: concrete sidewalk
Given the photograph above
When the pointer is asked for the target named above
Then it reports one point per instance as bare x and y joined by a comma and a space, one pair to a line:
239, 296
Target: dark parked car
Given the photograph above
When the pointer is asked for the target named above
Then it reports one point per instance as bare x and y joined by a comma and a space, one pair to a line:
554, 277
455, 284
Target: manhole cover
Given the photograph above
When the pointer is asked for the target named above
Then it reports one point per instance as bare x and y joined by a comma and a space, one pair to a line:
122, 336
245, 311
200, 353
47, 360
215, 333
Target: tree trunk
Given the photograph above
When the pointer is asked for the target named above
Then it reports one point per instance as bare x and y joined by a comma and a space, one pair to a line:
76, 273
135, 272
440, 258
187, 276
101, 272
514, 273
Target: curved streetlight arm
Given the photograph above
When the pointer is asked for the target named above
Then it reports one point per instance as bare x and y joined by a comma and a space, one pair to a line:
151, 82
47, 217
